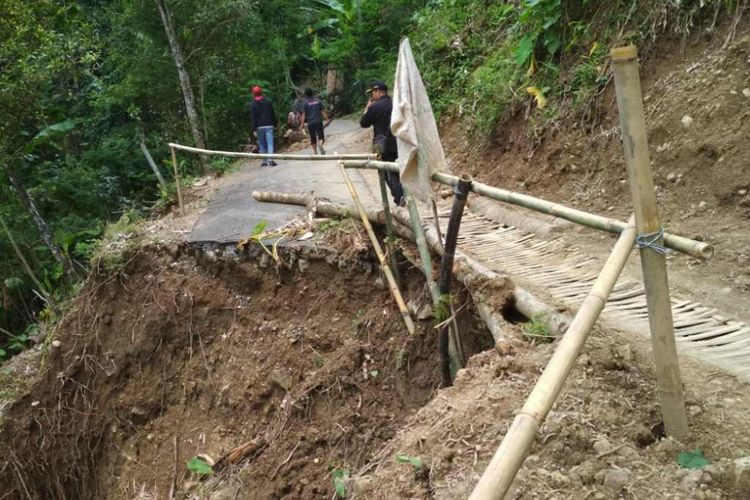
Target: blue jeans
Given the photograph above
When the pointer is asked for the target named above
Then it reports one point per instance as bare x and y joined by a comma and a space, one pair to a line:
265, 139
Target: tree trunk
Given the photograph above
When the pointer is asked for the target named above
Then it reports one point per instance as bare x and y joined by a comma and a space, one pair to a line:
187, 89
43, 291
44, 229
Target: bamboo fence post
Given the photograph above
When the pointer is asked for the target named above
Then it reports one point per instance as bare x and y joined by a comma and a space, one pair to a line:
424, 255
502, 469
154, 167
698, 249
177, 180
388, 228
460, 194
650, 240
379, 251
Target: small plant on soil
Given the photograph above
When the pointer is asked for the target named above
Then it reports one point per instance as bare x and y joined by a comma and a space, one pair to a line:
416, 462
339, 477
692, 459
402, 361
199, 466
318, 361
537, 330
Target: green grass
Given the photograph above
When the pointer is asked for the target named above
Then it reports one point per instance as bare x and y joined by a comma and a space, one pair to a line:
537, 330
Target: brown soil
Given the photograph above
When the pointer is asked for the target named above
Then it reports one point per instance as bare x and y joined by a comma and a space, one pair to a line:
185, 355
599, 441
700, 167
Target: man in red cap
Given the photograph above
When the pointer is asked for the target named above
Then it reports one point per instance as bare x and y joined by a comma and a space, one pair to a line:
264, 121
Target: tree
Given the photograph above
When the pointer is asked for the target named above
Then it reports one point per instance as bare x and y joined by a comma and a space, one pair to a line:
179, 62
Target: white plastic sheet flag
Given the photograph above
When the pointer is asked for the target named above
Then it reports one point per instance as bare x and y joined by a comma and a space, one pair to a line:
420, 153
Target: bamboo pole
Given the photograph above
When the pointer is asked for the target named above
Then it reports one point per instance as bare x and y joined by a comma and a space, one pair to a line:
388, 227
154, 167
236, 154
424, 255
697, 249
45, 295
379, 251
653, 262
460, 194
177, 180
502, 469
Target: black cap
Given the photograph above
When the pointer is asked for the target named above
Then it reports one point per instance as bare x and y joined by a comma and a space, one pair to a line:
377, 85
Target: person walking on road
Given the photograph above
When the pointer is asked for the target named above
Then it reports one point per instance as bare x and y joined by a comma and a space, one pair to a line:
313, 115
264, 121
377, 114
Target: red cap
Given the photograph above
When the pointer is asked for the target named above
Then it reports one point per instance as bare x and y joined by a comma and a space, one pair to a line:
257, 90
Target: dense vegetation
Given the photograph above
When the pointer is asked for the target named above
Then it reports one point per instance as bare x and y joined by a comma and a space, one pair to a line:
82, 84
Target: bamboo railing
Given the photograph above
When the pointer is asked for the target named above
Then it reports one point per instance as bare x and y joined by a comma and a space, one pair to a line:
499, 474
236, 154
697, 249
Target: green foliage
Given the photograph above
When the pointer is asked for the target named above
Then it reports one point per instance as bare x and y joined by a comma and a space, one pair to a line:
416, 462
442, 310
339, 477
479, 58
199, 466
692, 459
402, 361
537, 330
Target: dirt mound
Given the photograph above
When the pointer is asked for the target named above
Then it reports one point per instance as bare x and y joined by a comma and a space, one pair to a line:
179, 356
601, 439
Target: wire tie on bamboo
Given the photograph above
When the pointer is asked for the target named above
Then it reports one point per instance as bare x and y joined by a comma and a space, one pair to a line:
649, 240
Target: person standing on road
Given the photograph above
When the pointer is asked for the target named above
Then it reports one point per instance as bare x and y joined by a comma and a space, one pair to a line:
313, 115
264, 121
377, 114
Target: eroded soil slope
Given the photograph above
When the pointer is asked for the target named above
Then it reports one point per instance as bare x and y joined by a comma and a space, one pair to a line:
178, 356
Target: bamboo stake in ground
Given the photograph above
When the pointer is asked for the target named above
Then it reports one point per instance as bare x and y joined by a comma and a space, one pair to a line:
460, 194
379, 251
499, 474
154, 167
650, 239
177, 180
388, 228
424, 255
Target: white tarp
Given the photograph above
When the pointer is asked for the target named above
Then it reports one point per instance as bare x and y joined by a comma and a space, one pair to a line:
420, 152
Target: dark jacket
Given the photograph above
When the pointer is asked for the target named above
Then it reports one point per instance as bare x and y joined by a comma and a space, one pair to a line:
262, 113
378, 116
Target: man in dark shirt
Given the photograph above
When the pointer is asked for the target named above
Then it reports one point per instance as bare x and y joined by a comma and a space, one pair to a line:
313, 114
264, 120
377, 115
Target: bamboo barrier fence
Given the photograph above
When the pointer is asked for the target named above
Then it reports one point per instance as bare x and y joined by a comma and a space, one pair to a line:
651, 239
236, 154
697, 249
643, 228
502, 469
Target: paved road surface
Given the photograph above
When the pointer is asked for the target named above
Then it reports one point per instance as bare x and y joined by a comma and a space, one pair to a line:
232, 213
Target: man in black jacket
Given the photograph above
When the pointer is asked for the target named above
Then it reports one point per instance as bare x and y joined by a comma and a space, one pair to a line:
377, 115
264, 120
